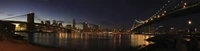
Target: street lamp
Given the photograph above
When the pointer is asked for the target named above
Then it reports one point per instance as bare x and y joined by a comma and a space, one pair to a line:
189, 22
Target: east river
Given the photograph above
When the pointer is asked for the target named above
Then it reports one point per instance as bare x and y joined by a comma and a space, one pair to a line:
88, 42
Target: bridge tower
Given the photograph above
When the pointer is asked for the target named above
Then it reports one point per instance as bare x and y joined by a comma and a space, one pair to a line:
30, 22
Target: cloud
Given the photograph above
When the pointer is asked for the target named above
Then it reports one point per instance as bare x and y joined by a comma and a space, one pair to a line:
10, 14
1, 12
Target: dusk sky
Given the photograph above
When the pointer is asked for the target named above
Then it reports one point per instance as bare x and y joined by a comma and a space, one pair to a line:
107, 13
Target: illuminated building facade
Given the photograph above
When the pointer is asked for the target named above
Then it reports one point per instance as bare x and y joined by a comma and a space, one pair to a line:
85, 27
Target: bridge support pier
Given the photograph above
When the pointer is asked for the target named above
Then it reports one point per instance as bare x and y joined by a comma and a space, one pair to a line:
138, 31
30, 22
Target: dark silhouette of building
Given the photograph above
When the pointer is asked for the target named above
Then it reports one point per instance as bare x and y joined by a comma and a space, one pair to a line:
60, 25
85, 27
95, 28
122, 29
47, 22
42, 22
54, 23
69, 28
74, 24
6, 28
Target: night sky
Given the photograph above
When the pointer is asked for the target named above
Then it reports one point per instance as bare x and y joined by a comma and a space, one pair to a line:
107, 13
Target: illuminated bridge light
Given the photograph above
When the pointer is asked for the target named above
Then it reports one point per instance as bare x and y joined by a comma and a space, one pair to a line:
165, 11
146, 21
154, 16
163, 14
168, 1
185, 3
158, 16
184, 6
151, 19
143, 23
189, 22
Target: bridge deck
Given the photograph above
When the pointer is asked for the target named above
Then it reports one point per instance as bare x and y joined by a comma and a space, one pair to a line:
193, 9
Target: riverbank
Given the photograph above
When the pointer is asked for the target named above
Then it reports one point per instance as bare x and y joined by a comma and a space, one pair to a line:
19, 45
11, 44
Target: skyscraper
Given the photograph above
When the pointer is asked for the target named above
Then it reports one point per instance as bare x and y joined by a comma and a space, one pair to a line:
69, 27
47, 22
60, 25
85, 27
54, 23
42, 22
74, 24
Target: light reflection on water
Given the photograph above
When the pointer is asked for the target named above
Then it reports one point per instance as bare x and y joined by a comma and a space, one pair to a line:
137, 40
89, 41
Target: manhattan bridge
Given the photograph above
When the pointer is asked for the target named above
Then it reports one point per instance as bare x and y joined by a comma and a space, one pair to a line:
170, 10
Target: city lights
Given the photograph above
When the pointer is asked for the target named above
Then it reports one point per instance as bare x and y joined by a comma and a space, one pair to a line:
165, 11
185, 4
151, 19
155, 17
146, 21
163, 14
100, 25
189, 22
158, 16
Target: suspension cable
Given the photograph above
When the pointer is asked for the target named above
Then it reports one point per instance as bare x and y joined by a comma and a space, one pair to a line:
15, 16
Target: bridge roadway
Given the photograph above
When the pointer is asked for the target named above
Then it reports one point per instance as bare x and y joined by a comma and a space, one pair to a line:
11, 21
193, 9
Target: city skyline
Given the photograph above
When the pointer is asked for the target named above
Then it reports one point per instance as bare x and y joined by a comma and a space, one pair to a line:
99, 25
107, 13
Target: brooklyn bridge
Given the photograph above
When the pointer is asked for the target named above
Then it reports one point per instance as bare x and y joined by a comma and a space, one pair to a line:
31, 26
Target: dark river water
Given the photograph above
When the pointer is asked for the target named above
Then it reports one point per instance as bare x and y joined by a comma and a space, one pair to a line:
88, 42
